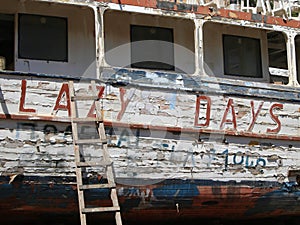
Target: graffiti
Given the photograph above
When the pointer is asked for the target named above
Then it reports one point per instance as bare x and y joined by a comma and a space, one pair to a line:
239, 158
50, 129
209, 157
27, 127
124, 137
186, 154
183, 154
134, 192
189, 157
32, 132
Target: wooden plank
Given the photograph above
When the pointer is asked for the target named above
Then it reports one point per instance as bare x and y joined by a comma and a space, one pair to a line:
85, 98
118, 218
90, 141
101, 209
95, 186
114, 197
86, 120
93, 163
77, 157
97, 103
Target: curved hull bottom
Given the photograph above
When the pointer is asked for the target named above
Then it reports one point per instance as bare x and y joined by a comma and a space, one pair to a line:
174, 199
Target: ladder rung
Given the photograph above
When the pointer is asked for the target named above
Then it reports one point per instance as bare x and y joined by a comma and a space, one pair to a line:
95, 186
93, 163
90, 141
84, 97
86, 120
101, 209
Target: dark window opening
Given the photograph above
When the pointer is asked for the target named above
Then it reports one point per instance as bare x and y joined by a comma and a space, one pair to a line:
242, 56
43, 37
297, 46
277, 57
152, 47
7, 25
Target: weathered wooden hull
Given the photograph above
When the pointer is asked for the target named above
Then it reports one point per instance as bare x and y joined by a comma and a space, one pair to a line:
166, 200
194, 143
200, 149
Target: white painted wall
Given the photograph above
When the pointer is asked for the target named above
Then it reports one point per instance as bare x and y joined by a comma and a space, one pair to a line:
81, 40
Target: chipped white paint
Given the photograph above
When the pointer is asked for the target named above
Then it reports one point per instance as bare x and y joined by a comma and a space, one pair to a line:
44, 147
166, 141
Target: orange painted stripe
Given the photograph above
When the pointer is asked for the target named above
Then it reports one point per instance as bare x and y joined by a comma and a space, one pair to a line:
151, 127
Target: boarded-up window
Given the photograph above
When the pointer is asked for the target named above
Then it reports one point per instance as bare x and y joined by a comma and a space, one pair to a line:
242, 56
152, 47
43, 37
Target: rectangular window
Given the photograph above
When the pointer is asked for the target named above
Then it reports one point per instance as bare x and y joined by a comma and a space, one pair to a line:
7, 23
43, 37
152, 47
278, 66
242, 56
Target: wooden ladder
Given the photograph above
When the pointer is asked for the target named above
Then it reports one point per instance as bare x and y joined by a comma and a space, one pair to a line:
106, 163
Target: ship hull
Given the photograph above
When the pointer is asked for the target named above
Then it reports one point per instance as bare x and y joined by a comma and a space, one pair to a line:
209, 165
167, 200
204, 129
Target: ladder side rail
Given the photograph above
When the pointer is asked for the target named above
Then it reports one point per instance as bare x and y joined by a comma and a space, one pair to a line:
78, 171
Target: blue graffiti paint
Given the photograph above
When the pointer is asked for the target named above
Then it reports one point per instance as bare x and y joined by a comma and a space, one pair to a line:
239, 159
238, 154
226, 159
176, 191
287, 197
247, 164
26, 126
173, 101
261, 160
124, 137
189, 155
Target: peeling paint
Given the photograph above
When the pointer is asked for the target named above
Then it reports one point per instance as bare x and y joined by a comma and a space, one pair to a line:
182, 144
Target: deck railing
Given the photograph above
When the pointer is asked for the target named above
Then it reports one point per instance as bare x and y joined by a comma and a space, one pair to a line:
288, 9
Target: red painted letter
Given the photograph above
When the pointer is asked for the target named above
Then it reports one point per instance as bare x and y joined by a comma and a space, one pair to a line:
22, 99
124, 103
208, 106
64, 92
225, 120
91, 113
275, 118
254, 114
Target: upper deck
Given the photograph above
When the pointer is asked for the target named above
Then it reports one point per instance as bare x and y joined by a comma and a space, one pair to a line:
201, 39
